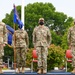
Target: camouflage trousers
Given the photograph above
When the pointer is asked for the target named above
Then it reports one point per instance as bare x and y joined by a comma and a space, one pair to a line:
73, 55
1, 54
20, 56
42, 53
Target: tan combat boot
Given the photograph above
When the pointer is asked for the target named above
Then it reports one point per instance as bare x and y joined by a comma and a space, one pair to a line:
23, 70
39, 71
44, 71
1, 67
73, 70
1, 70
18, 71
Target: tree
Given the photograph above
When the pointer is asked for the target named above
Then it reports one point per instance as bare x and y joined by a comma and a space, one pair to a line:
56, 21
64, 42
34, 12
56, 39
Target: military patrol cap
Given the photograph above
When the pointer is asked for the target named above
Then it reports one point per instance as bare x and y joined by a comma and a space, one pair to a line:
2, 23
41, 19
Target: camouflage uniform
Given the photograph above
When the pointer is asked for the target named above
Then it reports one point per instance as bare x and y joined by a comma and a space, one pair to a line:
71, 41
3, 40
41, 41
21, 44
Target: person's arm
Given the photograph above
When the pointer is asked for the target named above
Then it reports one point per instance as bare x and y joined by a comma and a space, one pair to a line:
5, 34
34, 38
27, 40
49, 39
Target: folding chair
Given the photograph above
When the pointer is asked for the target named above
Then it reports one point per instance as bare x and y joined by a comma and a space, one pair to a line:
34, 56
68, 57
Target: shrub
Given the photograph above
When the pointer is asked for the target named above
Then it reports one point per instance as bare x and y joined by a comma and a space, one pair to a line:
56, 56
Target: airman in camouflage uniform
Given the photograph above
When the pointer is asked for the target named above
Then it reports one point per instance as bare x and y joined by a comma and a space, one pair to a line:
41, 42
3, 41
71, 42
21, 46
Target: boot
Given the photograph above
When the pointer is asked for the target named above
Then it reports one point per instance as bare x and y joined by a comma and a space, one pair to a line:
23, 70
18, 71
44, 71
1, 70
39, 71
73, 70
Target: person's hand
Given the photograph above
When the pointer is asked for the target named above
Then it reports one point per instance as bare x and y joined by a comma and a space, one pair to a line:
14, 47
5, 42
70, 47
4, 45
10, 46
34, 47
27, 49
48, 47
0, 43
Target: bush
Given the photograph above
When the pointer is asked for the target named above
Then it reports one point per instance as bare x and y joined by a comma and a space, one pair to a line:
56, 55
29, 60
29, 57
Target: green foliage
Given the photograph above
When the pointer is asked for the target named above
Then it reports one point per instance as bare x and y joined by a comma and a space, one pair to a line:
29, 57
33, 13
64, 42
56, 39
8, 52
29, 60
58, 22
56, 55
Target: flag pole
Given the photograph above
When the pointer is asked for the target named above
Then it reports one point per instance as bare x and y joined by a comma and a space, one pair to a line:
22, 13
14, 45
14, 49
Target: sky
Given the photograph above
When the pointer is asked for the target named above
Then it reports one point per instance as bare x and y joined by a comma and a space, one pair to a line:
65, 6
